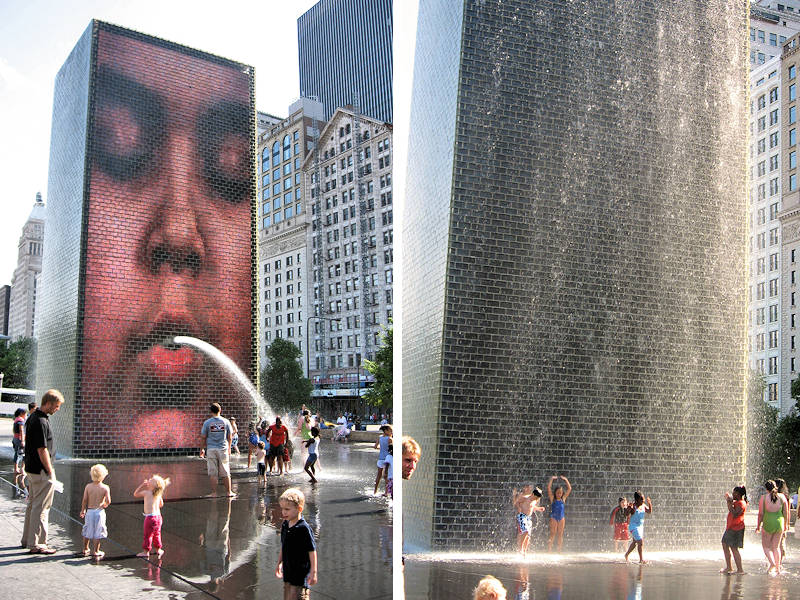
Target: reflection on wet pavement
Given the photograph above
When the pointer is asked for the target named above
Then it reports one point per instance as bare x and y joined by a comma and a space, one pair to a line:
687, 576
229, 547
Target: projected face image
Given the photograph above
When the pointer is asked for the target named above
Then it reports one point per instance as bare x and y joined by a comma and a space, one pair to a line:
168, 245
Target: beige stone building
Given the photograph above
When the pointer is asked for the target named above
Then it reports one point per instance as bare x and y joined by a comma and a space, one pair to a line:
350, 242
22, 303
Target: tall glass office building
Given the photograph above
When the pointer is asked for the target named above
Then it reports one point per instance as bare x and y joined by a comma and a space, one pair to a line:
345, 49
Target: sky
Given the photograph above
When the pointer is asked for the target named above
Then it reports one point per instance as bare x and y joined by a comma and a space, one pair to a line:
36, 37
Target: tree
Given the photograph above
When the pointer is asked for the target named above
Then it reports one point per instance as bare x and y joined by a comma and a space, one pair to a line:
282, 381
18, 364
779, 441
381, 368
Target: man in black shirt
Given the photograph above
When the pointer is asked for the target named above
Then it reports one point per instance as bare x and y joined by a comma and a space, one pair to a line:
39, 451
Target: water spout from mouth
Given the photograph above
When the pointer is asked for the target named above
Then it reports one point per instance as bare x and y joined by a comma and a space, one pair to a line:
230, 368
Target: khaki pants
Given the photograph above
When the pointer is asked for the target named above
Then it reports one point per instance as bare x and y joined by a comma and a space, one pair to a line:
40, 499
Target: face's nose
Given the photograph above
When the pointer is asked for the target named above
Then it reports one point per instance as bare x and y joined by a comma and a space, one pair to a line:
175, 242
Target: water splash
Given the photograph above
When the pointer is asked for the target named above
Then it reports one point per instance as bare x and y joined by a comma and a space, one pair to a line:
231, 369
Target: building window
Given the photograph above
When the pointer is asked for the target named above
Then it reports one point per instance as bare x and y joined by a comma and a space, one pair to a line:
792, 71
792, 137
287, 147
773, 392
793, 91
792, 182
792, 114
792, 159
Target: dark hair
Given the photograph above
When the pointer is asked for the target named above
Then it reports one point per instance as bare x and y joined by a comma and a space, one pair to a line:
215, 408
19, 412
638, 497
277, 420
620, 499
31, 406
537, 491
772, 488
782, 487
305, 413
742, 492
315, 431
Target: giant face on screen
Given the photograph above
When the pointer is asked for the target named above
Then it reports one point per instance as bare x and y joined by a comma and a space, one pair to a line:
168, 243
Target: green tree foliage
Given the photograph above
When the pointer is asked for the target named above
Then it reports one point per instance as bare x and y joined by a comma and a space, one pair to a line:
18, 364
782, 443
282, 383
381, 368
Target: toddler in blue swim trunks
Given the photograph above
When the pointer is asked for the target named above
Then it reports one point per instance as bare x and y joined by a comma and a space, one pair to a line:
96, 496
637, 511
526, 502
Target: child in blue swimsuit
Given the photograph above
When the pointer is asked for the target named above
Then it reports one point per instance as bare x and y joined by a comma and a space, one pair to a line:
557, 498
637, 511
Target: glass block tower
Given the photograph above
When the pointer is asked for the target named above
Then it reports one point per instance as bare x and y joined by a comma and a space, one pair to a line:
575, 247
153, 236
345, 49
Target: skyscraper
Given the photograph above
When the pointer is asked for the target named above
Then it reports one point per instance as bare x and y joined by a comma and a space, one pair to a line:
345, 49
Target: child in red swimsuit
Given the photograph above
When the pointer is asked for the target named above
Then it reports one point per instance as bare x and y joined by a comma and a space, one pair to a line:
619, 521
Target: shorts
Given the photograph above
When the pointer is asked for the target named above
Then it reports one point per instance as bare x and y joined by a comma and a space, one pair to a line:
312, 458
276, 452
524, 523
262, 468
381, 463
295, 592
234, 440
217, 462
94, 524
637, 533
733, 538
621, 532
19, 451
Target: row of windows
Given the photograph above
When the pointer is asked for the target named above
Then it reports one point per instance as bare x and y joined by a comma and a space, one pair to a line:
277, 217
290, 260
761, 36
290, 333
761, 239
279, 319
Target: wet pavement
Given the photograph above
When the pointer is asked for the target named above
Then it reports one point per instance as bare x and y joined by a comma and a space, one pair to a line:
604, 576
214, 547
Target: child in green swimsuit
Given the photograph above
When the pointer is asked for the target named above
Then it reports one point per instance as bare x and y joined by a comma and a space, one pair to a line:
773, 521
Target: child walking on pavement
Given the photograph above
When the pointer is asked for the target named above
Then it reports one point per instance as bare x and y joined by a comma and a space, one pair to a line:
297, 561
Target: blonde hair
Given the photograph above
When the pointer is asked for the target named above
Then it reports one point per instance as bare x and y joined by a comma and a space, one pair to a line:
490, 588
410, 446
160, 485
294, 496
99, 472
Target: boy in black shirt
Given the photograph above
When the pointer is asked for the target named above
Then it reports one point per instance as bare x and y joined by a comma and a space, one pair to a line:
297, 561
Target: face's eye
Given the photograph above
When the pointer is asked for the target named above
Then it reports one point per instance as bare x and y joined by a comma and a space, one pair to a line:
128, 126
224, 133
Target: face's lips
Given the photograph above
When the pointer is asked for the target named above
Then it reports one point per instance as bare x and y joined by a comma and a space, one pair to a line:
157, 353
168, 364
